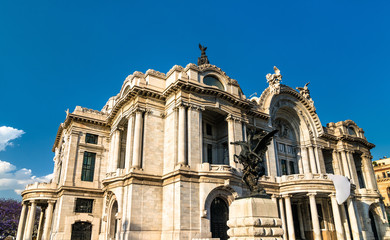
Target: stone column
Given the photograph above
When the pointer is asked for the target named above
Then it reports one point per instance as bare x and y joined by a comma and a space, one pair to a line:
312, 160
129, 145
137, 145
345, 222
369, 172
336, 163
30, 221
320, 160
300, 219
283, 218
114, 150
314, 216
272, 159
40, 225
336, 216
305, 160
181, 158
231, 138
299, 160
352, 169
49, 217
354, 220
347, 172
290, 221
22, 221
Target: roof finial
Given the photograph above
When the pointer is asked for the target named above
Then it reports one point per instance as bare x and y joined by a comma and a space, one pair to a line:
203, 58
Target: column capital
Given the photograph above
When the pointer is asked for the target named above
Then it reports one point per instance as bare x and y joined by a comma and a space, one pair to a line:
196, 107
232, 117
181, 104
332, 195
274, 196
311, 194
367, 155
286, 195
51, 201
33, 201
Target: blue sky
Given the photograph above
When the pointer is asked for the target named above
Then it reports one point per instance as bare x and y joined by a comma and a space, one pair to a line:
55, 55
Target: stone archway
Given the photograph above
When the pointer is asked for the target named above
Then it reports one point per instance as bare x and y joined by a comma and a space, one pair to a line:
373, 225
375, 213
219, 215
224, 195
81, 231
113, 221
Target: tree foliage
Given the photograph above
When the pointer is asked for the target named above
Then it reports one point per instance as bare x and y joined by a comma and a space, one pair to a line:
9, 217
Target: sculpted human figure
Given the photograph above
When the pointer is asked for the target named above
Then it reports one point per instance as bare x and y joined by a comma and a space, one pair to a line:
274, 80
251, 158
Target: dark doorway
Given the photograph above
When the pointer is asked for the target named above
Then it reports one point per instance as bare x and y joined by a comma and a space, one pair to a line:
219, 216
297, 229
373, 225
81, 231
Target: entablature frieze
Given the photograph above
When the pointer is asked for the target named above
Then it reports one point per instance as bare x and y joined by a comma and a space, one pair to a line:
206, 90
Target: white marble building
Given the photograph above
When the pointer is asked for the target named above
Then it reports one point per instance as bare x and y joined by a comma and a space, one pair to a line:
156, 163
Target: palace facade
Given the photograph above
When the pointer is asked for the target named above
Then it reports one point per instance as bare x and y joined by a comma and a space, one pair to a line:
156, 163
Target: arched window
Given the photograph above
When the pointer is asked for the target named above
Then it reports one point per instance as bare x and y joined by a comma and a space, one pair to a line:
351, 131
286, 145
219, 217
113, 224
212, 81
81, 231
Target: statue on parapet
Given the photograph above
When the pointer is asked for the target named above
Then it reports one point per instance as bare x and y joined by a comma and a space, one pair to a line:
203, 58
274, 80
251, 157
305, 92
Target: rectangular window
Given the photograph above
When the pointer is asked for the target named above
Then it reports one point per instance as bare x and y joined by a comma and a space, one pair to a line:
284, 167
83, 205
88, 166
292, 169
209, 129
384, 174
388, 174
282, 147
289, 149
91, 138
209, 153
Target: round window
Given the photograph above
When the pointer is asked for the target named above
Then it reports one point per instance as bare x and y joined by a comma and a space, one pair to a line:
212, 81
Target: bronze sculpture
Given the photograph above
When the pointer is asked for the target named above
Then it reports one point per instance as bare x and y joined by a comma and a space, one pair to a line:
203, 58
251, 158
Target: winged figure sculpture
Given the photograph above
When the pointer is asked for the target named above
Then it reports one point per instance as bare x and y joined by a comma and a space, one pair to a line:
251, 158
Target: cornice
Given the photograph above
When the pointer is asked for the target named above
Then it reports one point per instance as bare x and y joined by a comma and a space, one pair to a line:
197, 88
155, 73
77, 118
134, 91
356, 139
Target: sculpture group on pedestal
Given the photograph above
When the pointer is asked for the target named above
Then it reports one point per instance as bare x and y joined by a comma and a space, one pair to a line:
251, 157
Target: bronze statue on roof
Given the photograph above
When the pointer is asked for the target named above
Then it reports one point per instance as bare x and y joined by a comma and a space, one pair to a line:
203, 58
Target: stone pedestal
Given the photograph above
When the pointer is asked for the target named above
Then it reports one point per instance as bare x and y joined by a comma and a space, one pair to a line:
254, 218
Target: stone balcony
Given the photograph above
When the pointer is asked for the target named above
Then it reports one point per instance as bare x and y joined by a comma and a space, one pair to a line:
39, 190
40, 185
